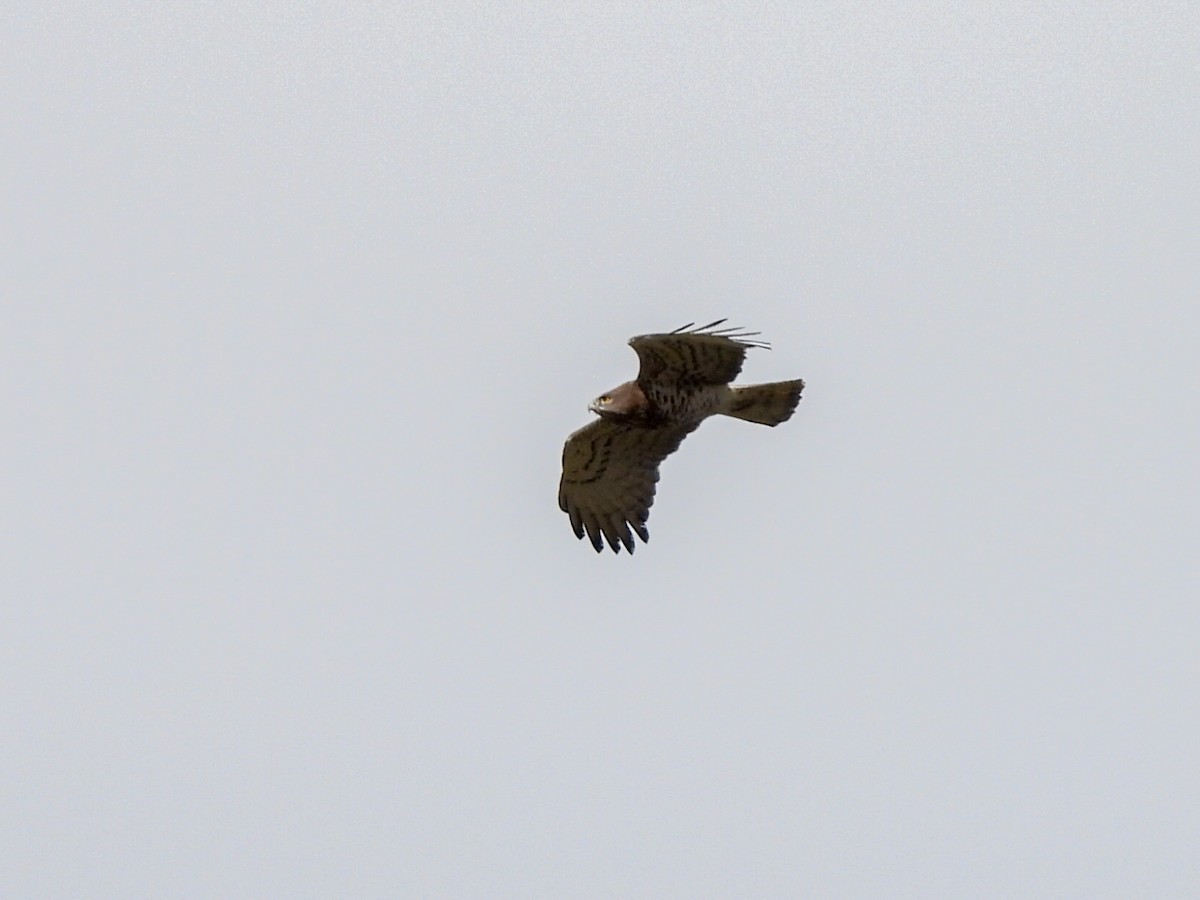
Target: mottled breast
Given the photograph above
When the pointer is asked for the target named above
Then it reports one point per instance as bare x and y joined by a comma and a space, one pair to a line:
690, 404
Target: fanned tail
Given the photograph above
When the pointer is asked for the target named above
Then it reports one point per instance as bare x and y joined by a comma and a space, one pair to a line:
766, 404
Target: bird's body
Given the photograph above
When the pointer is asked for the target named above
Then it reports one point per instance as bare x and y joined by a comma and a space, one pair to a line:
610, 467
689, 404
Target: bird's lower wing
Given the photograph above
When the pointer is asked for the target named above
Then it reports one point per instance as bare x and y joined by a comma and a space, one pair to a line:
609, 473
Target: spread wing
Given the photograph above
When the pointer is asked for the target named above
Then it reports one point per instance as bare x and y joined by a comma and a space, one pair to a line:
693, 356
609, 473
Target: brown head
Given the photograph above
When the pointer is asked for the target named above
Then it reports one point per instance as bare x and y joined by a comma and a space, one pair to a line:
623, 403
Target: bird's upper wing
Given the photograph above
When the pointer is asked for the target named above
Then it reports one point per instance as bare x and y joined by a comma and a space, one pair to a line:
609, 473
693, 356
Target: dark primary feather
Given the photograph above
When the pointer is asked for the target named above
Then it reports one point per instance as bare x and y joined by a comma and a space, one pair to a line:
734, 333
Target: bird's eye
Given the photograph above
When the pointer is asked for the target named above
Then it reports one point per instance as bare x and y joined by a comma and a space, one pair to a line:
604, 398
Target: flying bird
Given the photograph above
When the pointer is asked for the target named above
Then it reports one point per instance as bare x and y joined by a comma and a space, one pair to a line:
610, 467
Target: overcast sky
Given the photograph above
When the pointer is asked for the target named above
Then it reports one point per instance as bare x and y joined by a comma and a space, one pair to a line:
300, 302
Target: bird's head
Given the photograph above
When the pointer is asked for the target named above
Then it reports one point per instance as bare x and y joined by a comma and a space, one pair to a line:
624, 402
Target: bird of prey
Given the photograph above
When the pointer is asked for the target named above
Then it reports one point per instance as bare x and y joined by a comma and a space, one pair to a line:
610, 467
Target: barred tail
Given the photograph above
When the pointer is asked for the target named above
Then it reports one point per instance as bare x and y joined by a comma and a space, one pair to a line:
766, 404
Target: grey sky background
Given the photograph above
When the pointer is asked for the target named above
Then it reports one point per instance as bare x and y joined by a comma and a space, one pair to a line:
300, 302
